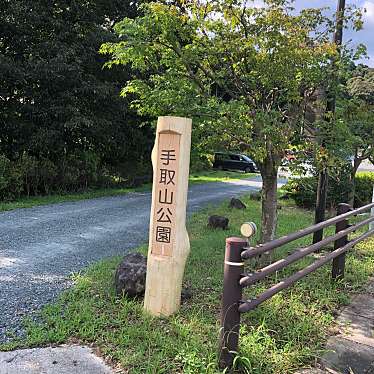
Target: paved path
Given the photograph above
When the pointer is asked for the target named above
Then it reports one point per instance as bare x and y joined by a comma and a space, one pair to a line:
352, 350
54, 360
40, 247
366, 166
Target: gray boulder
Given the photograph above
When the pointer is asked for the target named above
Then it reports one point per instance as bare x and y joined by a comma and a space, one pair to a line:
218, 222
237, 204
255, 196
130, 275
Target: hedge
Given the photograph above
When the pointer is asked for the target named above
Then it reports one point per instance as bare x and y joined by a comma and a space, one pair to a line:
304, 190
31, 176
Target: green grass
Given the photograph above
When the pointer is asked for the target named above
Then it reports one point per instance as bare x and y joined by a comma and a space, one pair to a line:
284, 333
218, 176
195, 178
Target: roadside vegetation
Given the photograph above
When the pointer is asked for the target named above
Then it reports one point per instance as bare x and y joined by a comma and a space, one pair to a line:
199, 177
284, 333
303, 190
257, 80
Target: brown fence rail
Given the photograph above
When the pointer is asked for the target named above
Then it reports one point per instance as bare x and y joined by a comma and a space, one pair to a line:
235, 279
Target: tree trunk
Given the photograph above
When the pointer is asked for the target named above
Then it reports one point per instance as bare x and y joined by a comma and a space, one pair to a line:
321, 203
352, 190
269, 172
269, 198
269, 208
331, 108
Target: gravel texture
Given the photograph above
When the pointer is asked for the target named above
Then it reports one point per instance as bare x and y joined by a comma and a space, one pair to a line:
40, 247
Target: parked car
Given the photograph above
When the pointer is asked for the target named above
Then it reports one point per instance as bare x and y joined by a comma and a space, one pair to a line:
234, 161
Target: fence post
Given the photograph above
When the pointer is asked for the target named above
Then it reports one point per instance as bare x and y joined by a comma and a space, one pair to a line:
338, 263
232, 295
371, 225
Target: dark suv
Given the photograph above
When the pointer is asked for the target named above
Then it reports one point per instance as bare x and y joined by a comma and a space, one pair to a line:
233, 161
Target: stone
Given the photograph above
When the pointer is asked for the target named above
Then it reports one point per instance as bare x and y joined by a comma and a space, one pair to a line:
237, 204
255, 196
218, 222
130, 275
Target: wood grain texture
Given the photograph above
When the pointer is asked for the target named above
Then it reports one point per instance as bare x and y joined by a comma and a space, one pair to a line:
167, 255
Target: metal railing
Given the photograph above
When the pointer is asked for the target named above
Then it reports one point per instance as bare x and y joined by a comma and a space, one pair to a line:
237, 251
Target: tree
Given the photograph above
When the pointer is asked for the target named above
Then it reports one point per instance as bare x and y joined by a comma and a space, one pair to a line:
356, 111
330, 109
56, 101
243, 73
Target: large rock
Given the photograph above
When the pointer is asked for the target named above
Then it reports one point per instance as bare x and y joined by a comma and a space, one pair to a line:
218, 222
255, 196
130, 275
237, 204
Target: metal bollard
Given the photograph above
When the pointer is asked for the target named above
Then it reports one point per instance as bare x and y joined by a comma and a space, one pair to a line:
338, 263
232, 295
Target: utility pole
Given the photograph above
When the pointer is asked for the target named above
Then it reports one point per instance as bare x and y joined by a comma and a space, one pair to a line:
330, 109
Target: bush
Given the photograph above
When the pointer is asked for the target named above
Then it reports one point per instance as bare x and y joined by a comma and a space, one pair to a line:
304, 190
78, 171
364, 188
201, 162
30, 176
4, 174
10, 180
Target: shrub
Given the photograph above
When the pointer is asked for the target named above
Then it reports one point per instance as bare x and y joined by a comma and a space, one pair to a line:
27, 166
10, 179
201, 162
304, 190
364, 188
30, 176
47, 175
4, 173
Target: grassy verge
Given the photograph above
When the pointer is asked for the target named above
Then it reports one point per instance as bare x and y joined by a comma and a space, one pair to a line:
195, 178
218, 176
284, 333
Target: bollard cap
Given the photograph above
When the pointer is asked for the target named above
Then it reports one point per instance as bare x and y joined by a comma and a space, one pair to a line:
248, 229
234, 239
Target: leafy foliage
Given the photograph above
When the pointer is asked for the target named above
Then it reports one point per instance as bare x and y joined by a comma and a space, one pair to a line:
57, 105
303, 190
243, 73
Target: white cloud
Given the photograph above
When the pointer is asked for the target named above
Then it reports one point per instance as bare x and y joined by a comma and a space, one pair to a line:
369, 15
255, 3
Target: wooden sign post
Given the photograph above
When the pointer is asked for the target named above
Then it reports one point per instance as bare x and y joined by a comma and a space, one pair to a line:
169, 244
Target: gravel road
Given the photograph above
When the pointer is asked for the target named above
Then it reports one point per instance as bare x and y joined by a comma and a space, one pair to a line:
40, 247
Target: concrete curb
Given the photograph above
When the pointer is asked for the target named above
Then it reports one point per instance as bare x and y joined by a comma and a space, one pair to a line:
352, 350
53, 360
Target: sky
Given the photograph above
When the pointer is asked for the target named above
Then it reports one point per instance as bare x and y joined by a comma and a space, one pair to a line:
365, 36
